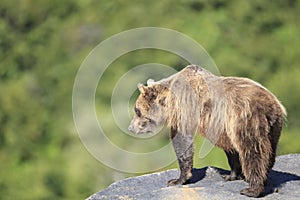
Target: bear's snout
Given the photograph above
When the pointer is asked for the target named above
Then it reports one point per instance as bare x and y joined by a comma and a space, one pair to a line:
130, 128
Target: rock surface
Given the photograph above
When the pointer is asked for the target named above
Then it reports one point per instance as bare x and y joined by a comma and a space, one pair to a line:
207, 183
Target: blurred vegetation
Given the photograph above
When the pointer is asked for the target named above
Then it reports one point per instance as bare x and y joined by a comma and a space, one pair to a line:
42, 44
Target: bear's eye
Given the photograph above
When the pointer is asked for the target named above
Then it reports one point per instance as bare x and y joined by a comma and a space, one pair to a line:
151, 121
137, 112
143, 124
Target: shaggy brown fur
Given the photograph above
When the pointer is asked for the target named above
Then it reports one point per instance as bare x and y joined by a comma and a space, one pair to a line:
236, 114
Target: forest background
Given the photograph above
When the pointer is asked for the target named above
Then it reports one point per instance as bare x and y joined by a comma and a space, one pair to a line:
43, 43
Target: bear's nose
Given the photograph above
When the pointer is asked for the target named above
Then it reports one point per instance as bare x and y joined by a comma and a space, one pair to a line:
130, 128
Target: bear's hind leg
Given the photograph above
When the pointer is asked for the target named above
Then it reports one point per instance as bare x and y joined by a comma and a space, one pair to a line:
255, 167
274, 137
184, 149
235, 166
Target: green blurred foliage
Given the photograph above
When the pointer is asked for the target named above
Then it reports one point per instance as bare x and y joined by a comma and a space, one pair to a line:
42, 44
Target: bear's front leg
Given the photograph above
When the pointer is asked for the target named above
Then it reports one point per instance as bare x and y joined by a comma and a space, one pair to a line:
184, 149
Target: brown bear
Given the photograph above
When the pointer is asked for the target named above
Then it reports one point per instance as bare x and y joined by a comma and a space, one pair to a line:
236, 114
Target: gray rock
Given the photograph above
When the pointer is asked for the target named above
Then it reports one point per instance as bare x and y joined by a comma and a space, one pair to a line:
207, 183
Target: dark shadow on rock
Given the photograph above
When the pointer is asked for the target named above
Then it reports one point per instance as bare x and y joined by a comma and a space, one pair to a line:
277, 179
199, 174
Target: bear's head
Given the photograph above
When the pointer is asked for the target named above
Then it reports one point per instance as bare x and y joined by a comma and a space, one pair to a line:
150, 108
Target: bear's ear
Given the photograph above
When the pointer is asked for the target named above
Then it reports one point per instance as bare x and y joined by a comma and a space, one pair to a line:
150, 82
141, 88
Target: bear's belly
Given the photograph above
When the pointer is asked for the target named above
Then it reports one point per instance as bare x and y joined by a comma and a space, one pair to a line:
222, 141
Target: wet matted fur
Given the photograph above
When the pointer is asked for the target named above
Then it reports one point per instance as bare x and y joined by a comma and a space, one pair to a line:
236, 114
